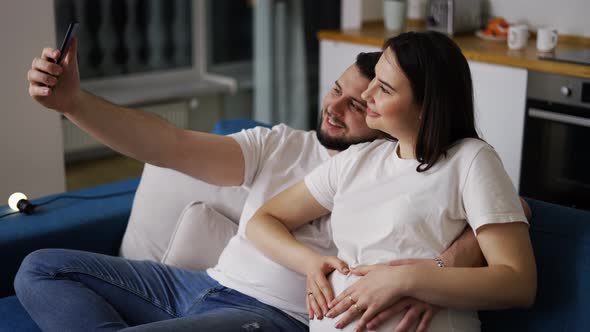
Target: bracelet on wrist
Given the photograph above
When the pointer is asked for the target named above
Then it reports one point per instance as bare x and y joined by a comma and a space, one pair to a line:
439, 262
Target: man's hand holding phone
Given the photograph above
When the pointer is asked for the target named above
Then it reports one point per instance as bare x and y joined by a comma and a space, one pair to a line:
54, 79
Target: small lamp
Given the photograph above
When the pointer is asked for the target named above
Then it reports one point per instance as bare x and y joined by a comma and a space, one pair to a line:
19, 202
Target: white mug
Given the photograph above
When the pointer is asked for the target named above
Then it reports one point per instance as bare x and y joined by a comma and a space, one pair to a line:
394, 14
518, 36
546, 39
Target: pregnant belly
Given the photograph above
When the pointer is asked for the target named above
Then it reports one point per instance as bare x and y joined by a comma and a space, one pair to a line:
445, 320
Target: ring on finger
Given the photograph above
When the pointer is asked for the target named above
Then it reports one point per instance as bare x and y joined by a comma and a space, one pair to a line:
350, 298
309, 293
356, 306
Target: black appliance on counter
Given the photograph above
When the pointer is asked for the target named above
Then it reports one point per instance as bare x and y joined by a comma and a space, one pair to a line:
581, 57
556, 148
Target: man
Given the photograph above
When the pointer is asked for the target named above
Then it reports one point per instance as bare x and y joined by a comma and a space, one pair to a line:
70, 290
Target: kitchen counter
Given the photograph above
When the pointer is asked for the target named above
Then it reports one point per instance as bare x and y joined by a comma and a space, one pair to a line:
477, 49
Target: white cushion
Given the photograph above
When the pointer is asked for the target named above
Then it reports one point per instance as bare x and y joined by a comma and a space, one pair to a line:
199, 238
161, 196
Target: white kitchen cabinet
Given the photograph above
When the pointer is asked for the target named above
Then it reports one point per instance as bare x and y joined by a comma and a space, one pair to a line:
500, 98
335, 57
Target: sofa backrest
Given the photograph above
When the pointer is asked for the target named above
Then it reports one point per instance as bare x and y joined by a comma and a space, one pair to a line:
561, 242
161, 197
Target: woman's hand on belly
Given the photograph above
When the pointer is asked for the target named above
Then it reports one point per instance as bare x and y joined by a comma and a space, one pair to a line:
319, 290
381, 287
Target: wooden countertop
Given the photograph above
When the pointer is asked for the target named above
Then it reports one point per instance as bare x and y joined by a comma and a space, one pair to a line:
477, 49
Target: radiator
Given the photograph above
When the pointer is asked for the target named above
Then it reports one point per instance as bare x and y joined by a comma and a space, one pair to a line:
79, 145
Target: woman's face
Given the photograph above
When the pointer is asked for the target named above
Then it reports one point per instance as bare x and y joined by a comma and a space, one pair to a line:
390, 103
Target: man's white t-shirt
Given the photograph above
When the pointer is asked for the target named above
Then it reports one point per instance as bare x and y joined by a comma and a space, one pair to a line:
274, 161
383, 209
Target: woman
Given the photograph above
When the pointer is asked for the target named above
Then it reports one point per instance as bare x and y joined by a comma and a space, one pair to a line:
408, 199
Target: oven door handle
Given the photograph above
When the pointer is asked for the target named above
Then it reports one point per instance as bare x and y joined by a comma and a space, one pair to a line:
565, 118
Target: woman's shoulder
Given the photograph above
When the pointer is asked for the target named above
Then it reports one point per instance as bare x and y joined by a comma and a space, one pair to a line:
466, 150
469, 147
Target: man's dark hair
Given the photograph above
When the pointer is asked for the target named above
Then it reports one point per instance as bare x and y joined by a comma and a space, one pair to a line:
366, 63
441, 84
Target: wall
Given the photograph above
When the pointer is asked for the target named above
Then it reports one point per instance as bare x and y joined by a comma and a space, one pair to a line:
31, 147
569, 17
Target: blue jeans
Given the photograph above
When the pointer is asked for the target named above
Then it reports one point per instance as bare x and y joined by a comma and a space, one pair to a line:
68, 290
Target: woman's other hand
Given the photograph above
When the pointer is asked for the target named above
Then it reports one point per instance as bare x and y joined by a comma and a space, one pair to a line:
381, 287
417, 312
319, 291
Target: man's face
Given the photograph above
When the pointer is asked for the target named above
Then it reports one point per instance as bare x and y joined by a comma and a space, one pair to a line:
344, 111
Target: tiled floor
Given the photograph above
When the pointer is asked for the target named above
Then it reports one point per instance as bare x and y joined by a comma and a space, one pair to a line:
90, 173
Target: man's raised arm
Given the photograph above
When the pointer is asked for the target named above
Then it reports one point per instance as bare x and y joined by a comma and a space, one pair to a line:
139, 135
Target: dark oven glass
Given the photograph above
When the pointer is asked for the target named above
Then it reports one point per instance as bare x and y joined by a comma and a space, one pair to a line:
556, 158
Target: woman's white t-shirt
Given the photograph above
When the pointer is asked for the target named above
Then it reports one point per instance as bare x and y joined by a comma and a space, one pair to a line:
383, 209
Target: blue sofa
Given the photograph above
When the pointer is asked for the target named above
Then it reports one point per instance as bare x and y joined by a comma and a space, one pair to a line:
560, 235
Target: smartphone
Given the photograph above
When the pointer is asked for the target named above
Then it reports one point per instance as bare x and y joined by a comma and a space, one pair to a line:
67, 41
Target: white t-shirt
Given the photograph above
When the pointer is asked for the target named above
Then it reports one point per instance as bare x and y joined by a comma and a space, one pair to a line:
383, 209
274, 161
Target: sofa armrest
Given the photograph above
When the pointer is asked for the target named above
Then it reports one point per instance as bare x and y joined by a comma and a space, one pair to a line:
561, 241
95, 225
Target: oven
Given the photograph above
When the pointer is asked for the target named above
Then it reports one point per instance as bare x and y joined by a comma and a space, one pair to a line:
556, 149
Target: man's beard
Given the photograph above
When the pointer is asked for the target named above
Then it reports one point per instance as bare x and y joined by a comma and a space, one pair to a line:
338, 143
